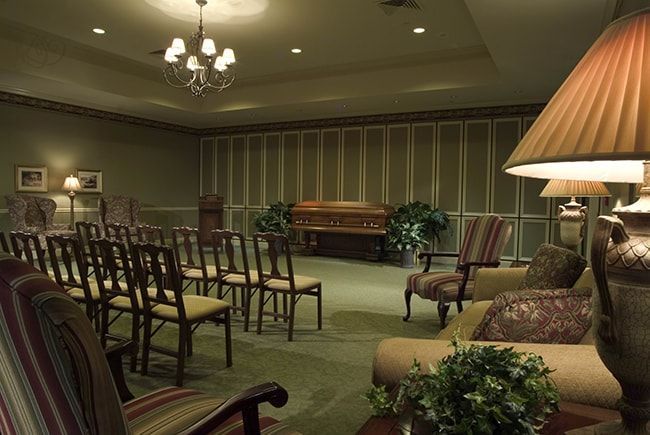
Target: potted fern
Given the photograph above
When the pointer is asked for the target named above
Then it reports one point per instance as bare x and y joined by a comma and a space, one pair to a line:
276, 219
478, 389
412, 226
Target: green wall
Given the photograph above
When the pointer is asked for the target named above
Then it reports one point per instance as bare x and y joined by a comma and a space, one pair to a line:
158, 167
453, 164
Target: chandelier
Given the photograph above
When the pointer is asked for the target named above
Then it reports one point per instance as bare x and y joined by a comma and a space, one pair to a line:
197, 68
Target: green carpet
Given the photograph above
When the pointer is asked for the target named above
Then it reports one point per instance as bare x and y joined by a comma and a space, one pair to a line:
325, 372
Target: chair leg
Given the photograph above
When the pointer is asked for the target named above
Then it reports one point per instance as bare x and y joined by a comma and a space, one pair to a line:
104, 327
182, 342
198, 288
319, 303
228, 339
219, 290
284, 306
146, 344
292, 312
189, 340
247, 307
259, 311
443, 309
135, 337
407, 298
234, 296
275, 306
459, 306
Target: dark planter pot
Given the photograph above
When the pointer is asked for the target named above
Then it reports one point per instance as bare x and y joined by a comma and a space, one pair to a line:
407, 260
411, 424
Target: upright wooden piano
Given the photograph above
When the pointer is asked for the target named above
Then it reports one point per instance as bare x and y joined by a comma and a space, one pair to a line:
343, 228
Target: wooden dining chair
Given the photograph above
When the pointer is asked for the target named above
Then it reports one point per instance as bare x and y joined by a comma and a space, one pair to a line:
229, 276
190, 260
118, 290
27, 247
187, 311
150, 234
289, 285
75, 281
86, 231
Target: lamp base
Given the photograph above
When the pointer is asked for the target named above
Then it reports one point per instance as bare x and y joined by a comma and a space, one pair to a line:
71, 195
572, 220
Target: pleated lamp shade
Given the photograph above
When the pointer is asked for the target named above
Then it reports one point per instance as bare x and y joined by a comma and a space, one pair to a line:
597, 125
572, 188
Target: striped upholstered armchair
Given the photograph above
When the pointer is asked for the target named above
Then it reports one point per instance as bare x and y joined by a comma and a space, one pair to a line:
56, 378
485, 240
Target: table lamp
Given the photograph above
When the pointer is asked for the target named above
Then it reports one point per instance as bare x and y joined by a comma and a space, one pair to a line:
597, 127
71, 184
572, 214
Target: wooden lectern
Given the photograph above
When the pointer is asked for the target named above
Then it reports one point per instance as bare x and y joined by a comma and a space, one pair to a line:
210, 216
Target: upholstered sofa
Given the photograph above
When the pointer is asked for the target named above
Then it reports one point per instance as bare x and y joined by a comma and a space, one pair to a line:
578, 371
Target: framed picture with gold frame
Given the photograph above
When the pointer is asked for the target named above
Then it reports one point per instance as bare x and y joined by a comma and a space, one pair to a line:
90, 180
31, 178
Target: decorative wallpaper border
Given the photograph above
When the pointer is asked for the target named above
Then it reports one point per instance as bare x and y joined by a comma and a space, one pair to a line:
426, 116
391, 118
87, 112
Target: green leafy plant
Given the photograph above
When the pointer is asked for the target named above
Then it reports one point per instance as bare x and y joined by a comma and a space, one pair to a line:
414, 223
275, 219
476, 390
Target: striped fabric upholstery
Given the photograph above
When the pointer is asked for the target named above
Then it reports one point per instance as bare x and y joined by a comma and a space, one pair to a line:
54, 377
173, 409
485, 240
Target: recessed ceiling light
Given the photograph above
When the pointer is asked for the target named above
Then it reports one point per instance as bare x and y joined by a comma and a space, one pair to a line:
99, 31
296, 50
419, 30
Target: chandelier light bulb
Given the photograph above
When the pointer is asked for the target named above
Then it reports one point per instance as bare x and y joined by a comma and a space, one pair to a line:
220, 64
179, 46
208, 47
170, 55
229, 56
192, 63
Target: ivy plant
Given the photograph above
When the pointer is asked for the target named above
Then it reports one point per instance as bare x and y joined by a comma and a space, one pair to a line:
476, 390
275, 219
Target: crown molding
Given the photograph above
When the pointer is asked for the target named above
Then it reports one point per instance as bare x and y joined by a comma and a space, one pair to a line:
425, 116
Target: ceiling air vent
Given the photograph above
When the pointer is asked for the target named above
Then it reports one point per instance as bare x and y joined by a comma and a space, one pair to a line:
391, 6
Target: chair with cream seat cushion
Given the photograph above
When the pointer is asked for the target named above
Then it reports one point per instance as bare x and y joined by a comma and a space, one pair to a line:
117, 290
191, 260
289, 285
186, 311
231, 277
66, 252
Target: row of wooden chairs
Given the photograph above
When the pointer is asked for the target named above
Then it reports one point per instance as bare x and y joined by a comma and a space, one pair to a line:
123, 270
139, 278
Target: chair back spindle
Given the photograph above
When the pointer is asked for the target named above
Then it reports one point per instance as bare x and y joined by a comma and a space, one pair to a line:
27, 247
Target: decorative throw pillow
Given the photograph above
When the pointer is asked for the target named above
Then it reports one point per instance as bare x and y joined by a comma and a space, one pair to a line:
553, 267
537, 316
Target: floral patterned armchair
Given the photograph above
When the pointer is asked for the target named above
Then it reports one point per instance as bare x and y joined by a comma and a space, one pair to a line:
118, 209
34, 214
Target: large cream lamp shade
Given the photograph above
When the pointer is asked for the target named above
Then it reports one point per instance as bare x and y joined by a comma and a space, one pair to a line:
596, 126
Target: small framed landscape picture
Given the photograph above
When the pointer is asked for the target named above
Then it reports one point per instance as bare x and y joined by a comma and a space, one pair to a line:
31, 178
90, 180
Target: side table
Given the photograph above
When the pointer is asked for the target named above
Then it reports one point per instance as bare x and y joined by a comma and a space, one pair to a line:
571, 416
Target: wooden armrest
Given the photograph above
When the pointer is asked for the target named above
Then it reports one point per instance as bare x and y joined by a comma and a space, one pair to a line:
245, 402
479, 264
428, 255
114, 356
